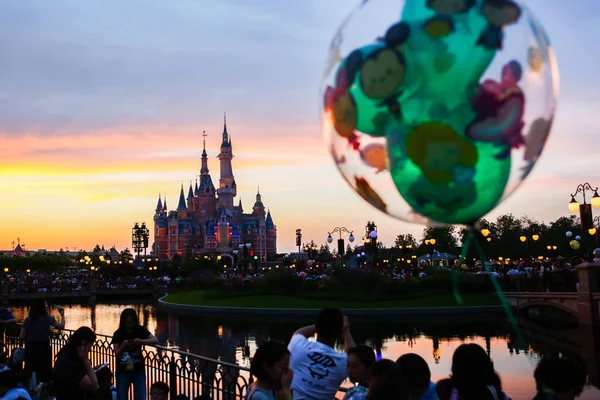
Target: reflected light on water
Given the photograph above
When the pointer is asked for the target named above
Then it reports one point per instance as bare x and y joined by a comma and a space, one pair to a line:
236, 342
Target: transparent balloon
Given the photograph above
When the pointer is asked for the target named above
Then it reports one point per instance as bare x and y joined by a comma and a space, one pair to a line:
436, 110
575, 245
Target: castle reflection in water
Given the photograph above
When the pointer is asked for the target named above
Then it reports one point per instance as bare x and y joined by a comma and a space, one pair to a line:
234, 340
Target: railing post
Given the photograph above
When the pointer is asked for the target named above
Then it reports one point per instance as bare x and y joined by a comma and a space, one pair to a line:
589, 283
172, 379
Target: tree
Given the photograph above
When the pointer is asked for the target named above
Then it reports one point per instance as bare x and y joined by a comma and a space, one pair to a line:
404, 240
324, 253
445, 239
125, 255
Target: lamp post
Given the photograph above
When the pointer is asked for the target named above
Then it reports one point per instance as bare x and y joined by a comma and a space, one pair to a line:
245, 247
371, 240
340, 242
585, 211
594, 231
430, 242
524, 239
552, 249
405, 249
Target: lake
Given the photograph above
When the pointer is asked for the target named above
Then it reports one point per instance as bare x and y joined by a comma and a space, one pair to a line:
435, 339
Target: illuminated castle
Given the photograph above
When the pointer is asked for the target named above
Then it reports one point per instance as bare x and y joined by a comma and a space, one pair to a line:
207, 222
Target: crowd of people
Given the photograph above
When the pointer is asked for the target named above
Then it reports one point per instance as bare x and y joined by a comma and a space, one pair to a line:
30, 373
313, 369
301, 370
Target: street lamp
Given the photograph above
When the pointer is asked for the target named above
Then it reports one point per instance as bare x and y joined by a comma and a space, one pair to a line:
371, 240
534, 237
585, 209
593, 231
341, 248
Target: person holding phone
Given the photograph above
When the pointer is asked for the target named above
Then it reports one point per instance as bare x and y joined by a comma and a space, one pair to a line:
128, 343
74, 377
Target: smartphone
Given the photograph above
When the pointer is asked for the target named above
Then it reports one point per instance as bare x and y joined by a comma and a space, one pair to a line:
99, 367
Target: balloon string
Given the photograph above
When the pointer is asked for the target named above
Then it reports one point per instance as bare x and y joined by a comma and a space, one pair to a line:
512, 319
456, 273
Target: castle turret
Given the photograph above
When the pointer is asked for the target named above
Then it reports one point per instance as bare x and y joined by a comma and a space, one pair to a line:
190, 192
206, 187
181, 205
227, 186
259, 207
269, 221
159, 206
271, 237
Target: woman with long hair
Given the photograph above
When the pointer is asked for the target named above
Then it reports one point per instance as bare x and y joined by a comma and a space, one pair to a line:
74, 376
270, 367
473, 376
35, 332
128, 343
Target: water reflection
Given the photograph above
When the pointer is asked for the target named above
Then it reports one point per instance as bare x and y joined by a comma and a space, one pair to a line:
235, 340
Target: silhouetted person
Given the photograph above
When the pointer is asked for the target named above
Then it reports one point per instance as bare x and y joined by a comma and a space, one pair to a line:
558, 379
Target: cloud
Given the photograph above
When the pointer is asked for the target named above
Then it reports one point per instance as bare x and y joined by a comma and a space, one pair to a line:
102, 64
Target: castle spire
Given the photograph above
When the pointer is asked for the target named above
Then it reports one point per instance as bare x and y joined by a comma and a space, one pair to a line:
204, 168
190, 192
159, 206
227, 187
181, 205
269, 225
165, 202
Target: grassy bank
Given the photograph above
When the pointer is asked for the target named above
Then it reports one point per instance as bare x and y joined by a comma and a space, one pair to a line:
198, 298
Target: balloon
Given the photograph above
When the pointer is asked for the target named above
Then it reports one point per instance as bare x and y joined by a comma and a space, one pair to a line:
574, 244
597, 252
577, 237
424, 109
569, 233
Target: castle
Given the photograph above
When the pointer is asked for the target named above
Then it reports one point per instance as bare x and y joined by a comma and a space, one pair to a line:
206, 221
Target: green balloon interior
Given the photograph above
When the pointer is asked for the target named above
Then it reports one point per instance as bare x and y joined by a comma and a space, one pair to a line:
416, 86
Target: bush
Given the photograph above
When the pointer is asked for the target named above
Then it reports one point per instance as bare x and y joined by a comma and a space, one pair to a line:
280, 281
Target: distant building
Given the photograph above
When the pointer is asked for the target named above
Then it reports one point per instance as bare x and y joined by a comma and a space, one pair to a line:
19, 252
207, 222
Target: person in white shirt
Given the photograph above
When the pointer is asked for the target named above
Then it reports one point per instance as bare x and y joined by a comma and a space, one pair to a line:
318, 368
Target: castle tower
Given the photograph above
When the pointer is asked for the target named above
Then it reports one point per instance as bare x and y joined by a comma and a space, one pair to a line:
271, 233
181, 206
206, 187
227, 186
161, 237
259, 242
190, 197
159, 206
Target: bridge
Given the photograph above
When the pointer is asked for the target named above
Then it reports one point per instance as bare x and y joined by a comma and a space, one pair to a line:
91, 290
577, 308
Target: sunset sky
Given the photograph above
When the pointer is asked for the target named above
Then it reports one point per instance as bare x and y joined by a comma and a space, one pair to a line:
103, 104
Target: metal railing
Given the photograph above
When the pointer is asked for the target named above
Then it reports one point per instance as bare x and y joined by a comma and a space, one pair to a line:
185, 373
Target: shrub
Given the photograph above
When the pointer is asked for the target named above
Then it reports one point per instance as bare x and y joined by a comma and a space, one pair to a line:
280, 281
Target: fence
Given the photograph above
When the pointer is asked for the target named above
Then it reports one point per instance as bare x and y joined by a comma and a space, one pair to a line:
185, 373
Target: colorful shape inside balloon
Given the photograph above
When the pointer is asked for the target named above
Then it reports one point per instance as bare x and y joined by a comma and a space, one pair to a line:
436, 116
